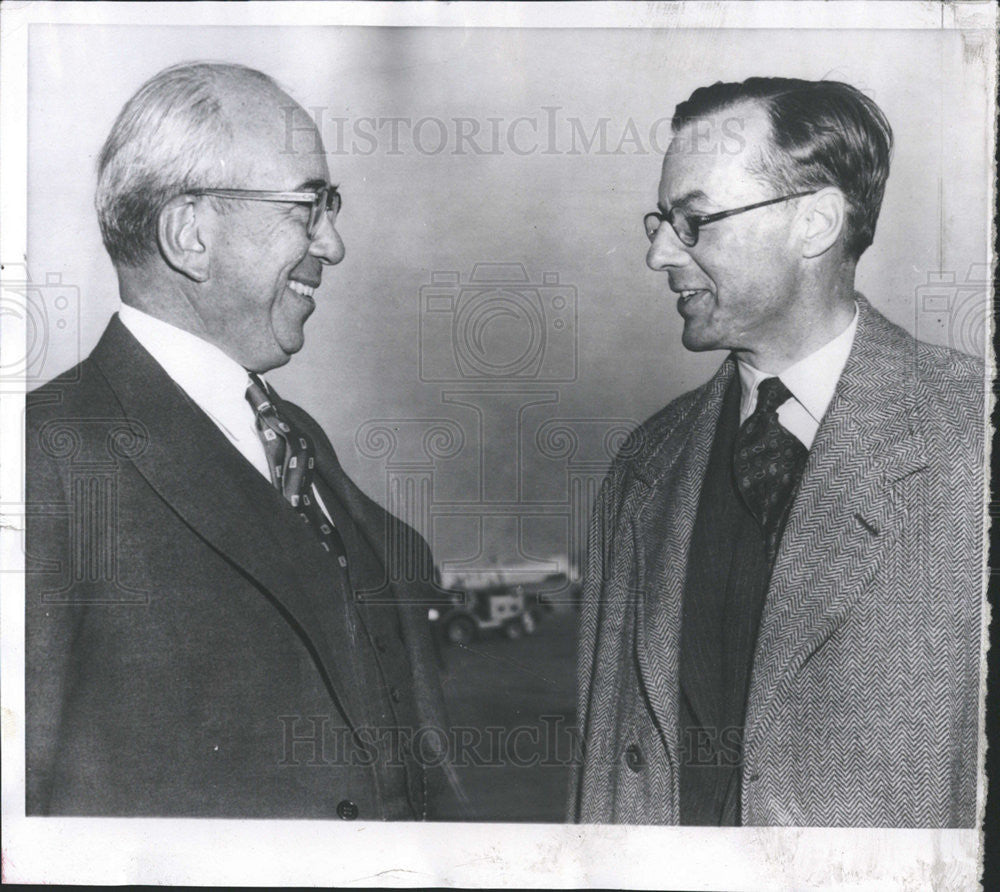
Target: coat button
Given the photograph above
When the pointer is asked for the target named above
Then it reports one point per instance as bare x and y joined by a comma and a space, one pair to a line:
347, 810
634, 759
395, 695
380, 644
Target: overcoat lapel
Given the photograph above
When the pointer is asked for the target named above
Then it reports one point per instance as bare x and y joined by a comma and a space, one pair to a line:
842, 515
192, 466
664, 525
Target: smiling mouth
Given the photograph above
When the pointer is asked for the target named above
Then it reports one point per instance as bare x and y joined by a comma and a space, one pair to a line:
687, 296
299, 288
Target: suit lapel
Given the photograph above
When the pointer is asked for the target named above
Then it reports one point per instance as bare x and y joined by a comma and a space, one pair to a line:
664, 526
407, 584
842, 515
189, 462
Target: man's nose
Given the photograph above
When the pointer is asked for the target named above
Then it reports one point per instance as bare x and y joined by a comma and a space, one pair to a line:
666, 250
327, 244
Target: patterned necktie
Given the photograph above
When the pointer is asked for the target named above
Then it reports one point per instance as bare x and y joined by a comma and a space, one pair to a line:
768, 462
292, 462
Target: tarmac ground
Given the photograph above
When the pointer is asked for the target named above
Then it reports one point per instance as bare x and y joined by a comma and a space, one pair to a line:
511, 706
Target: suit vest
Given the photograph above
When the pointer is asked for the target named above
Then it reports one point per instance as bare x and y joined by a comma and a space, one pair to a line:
724, 591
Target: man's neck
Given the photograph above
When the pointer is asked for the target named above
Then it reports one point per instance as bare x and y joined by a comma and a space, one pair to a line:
148, 293
822, 312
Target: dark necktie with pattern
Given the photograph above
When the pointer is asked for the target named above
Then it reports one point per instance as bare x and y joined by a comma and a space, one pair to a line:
768, 462
291, 460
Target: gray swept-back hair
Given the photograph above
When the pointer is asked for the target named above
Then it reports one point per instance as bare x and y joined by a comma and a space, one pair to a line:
168, 139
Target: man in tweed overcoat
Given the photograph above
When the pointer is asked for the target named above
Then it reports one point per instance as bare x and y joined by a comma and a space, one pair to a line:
823, 670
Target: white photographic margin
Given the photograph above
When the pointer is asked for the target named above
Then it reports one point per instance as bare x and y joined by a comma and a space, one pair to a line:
283, 853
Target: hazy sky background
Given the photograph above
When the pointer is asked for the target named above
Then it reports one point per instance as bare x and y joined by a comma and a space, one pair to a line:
499, 426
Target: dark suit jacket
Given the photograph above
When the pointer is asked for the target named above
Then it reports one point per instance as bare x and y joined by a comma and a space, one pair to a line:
190, 649
864, 693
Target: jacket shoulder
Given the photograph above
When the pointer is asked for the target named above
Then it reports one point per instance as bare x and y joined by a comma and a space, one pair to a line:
70, 417
944, 377
947, 366
952, 385
79, 392
645, 441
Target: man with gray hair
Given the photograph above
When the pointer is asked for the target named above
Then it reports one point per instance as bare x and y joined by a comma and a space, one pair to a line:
219, 622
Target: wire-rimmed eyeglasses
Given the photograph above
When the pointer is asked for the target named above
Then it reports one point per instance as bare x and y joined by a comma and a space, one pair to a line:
325, 200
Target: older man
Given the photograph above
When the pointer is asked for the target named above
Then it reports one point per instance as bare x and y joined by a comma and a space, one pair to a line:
218, 621
782, 613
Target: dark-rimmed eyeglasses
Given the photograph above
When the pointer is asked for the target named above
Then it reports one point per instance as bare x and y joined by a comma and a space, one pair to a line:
687, 225
325, 200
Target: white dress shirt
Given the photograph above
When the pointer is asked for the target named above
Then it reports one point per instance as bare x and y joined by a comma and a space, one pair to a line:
811, 381
215, 381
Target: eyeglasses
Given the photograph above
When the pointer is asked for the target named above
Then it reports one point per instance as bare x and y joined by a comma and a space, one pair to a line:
687, 225
325, 200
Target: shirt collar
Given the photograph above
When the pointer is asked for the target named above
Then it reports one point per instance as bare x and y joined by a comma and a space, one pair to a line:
812, 380
214, 380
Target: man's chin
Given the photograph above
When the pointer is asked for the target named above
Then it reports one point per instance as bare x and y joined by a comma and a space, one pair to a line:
289, 341
698, 341
277, 355
269, 363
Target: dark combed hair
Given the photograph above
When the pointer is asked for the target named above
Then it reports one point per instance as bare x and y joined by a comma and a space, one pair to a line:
823, 133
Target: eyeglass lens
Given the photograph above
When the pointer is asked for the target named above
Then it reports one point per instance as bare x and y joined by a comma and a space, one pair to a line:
685, 228
327, 202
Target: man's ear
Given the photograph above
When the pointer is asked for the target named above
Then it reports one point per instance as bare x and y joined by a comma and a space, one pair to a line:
823, 221
182, 238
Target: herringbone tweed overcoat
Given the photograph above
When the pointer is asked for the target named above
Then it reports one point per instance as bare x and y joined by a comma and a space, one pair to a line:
864, 698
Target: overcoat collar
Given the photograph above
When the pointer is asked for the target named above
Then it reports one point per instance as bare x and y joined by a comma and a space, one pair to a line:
669, 488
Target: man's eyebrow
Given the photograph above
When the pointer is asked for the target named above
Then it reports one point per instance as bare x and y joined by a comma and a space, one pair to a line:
311, 186
686, 199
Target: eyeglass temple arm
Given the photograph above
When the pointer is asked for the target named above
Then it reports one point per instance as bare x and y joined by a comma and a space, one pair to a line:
257, 194
711, 218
